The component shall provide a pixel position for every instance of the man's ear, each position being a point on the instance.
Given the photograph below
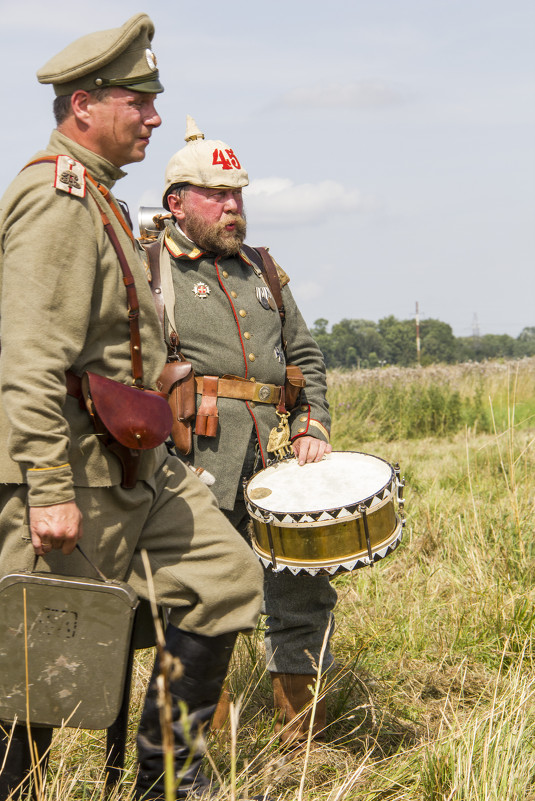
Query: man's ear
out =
(176, 207)
(80, 104)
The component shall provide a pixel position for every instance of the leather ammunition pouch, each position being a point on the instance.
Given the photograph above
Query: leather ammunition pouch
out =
(295, 382)
(177, 384)
(126, 419)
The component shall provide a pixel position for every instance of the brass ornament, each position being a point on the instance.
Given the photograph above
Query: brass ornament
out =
(279, 437)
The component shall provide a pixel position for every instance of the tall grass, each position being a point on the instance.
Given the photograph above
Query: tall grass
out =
(433, 695)
(405, 403)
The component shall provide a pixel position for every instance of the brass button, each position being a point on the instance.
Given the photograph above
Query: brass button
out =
(304, 408)
(242, 313)
(301, 431)
(225, 274)
(302, 419)
(252, 379)
(252, 404)
(234, 294)
(252, 357)
(246, 335)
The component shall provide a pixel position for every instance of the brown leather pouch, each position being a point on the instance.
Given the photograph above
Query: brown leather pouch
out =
(177, 382)
(295, 382)
(127, 419)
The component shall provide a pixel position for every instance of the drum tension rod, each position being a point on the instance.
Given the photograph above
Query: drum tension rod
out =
(363, 511)
(267, 521)
(400, 484)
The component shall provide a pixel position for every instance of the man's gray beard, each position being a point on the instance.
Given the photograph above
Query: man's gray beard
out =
(213, 236)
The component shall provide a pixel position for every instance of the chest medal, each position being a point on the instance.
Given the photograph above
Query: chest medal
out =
(265, 298)
(201, 289)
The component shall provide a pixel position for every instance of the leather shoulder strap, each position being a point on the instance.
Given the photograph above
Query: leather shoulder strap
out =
(152, 249)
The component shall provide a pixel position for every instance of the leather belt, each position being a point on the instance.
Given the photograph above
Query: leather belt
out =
(242, 389)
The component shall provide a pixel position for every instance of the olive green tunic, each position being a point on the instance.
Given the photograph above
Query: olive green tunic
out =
(68, 312)
(229, 331)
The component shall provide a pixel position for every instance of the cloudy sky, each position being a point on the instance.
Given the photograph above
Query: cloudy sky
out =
(390, 143)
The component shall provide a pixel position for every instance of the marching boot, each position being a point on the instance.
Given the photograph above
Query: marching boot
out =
(222, 711)
(293, 702)
(204, 662)
(16, 758)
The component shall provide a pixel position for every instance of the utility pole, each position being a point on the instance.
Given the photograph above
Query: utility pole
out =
(417, 333)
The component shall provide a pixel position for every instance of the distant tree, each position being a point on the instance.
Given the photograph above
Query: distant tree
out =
(437, 342)
(399, 338)
(324, 340)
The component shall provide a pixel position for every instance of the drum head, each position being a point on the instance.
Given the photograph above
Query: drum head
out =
(340, 481)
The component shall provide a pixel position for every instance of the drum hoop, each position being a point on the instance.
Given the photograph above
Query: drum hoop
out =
(333, 510)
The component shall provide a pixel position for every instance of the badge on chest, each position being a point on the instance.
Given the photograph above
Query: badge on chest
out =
(265, 298)
(201, 289)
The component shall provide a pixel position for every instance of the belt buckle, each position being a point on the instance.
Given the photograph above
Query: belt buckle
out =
(264, 393)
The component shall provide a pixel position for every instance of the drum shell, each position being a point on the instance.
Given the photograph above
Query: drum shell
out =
(77, 640)
(321, 545)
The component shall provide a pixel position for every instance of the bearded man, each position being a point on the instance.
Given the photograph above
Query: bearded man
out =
(223, 314)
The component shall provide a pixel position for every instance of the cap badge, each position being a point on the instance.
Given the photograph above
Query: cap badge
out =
(70, 176)
(151, 59)
(201, 289)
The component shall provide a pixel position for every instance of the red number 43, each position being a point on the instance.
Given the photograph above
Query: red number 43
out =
(226, 159)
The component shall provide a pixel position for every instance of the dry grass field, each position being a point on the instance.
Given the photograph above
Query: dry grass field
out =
(433, 697)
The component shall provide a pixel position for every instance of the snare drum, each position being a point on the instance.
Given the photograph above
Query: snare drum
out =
(325, 517)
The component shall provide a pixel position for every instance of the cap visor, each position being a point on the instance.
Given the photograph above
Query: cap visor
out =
(154, 87)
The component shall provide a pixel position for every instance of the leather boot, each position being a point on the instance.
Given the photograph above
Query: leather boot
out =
(293, 702)
(204, 661)
(15, 750)
(221, 716)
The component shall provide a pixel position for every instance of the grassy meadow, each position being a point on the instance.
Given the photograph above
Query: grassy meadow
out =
(433, 695)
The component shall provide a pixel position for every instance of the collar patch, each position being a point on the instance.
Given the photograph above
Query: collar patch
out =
(176, 251)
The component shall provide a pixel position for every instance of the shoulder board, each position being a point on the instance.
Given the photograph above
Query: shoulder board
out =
(284, 278)
(70, 176)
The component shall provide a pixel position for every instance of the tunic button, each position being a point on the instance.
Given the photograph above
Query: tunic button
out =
(304, 408)
(301, 431)
(252, 357)
(252, 379)
(302, 419)
(243, 313)
(246, 335)
(225, 274)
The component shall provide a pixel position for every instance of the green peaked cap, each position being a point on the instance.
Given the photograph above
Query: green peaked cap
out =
(116, 57)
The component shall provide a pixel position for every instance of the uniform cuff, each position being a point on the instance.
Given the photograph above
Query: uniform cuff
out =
(50, 485)
(303, 425)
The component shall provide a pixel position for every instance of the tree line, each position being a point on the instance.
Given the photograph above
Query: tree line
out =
(364, 343)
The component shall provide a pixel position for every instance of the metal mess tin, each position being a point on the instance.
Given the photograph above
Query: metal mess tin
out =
(64, 648)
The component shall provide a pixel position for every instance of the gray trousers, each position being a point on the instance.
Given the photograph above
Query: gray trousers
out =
(298, 608)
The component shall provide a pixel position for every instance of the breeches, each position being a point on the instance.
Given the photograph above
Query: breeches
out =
(203, 571)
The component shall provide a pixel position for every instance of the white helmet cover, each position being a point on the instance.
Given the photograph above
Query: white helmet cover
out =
(204, 162)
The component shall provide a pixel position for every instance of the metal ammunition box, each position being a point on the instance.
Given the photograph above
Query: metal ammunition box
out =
(64, 647)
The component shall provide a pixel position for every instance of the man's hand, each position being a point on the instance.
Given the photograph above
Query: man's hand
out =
(310, 449)
(57, 527)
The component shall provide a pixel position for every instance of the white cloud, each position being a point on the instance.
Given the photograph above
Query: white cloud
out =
(358, 94)
(278, 201)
